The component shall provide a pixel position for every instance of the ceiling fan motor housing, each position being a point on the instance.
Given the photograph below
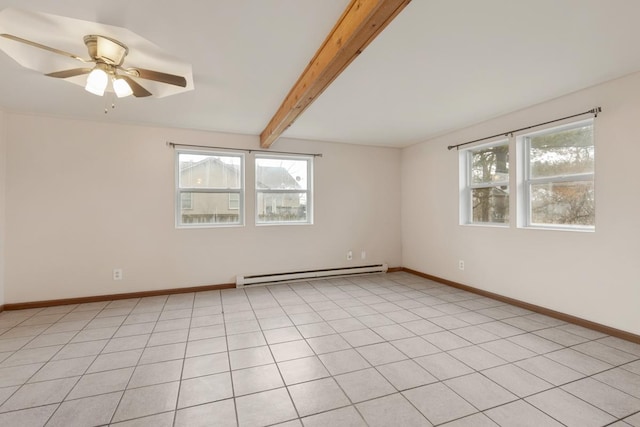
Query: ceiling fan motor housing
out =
(105, 49)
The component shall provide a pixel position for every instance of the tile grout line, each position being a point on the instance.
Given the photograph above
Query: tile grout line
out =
(184, 359)
(226, 337)
(115, 411)
(293, 403)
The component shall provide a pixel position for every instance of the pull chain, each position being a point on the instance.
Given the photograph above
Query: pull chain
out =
(106, 102)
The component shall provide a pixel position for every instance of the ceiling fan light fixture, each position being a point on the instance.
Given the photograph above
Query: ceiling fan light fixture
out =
(105, 59)
(121, 87)
(97, 81)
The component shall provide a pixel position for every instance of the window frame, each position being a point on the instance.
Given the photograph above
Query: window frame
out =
(525, 181)
(467, 187)
(193, 190)
(308, 190)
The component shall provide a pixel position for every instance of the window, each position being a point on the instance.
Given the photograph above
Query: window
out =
(555, 172)
(485, 184)
(283, 189)
(558, 177)
(210, 189)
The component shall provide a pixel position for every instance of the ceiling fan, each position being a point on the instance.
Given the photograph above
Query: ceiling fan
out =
(108, 55)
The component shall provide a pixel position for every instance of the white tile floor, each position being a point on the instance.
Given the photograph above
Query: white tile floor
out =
(377, 350)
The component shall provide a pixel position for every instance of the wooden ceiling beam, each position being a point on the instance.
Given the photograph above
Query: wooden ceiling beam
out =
(360, 23)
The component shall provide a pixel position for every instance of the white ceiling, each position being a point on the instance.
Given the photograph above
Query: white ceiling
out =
(440, 65)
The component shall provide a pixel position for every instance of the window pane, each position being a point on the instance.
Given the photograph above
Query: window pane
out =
(209, 208)
(564, 152)
(186, 200)
(281, 174)
(490, 204)
(234, 201)
(202, 171)
(282, 207)
(570, 203)
(490, 165)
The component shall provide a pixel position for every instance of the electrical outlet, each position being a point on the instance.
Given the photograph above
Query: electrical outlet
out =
(117, 274)
(461, 265)
(349, 255)
(363, 255)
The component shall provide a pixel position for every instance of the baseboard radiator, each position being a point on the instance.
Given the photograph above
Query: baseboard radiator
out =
(309, 274)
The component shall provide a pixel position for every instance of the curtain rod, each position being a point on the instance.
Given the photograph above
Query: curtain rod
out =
(247, 150)
(593, 111)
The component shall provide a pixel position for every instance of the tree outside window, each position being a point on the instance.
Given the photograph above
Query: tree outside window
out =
(555, 171)
(485, 198)
(559, 182)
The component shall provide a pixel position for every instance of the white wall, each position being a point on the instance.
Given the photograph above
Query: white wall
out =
(3, 164)
(594, 276)
(85, 197)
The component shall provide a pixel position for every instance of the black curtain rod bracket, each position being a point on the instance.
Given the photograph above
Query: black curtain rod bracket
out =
(593, 111)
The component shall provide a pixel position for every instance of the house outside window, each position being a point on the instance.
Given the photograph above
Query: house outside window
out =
(186, 201)
(234, 201)
(209, 189)
(284, 189)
